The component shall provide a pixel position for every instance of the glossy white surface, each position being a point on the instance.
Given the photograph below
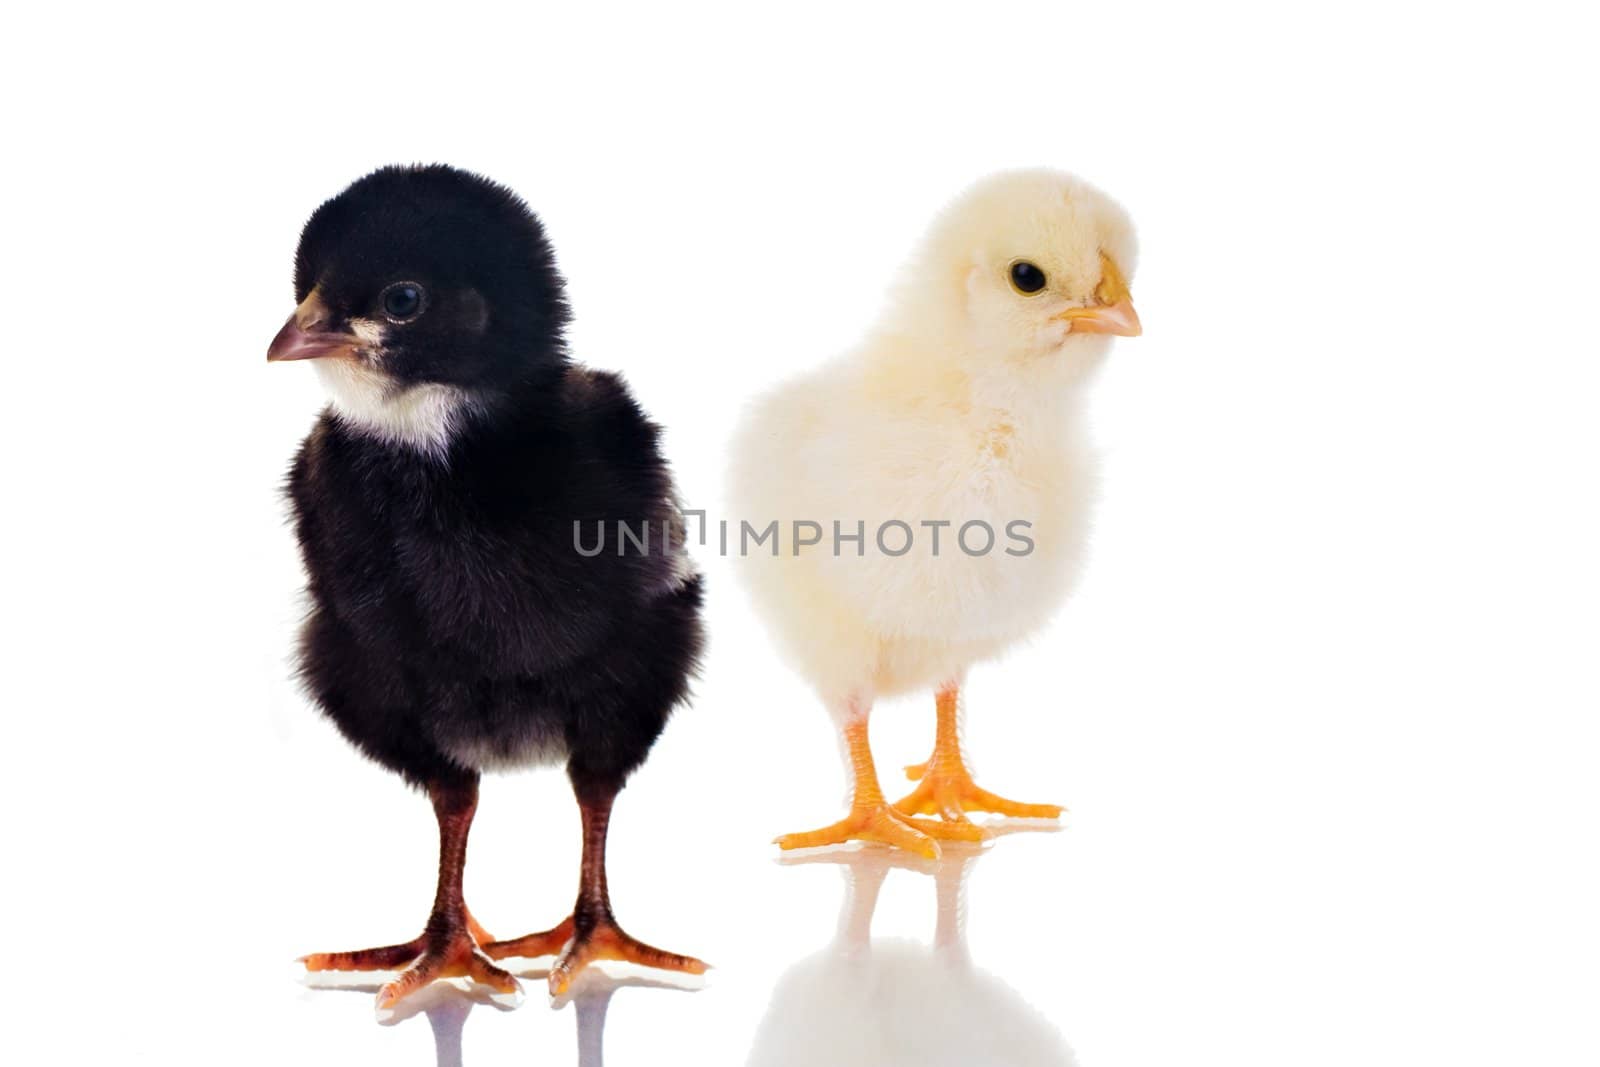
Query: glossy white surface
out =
(1324, 709)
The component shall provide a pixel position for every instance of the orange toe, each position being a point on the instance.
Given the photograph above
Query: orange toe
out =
(388, 958)
(546, 943)
(479, 934)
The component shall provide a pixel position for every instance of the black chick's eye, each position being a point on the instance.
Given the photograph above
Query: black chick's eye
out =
(1026, 278)
(402, 301)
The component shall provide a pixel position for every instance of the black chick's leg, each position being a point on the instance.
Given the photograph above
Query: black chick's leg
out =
(449, 946)
(591, 933)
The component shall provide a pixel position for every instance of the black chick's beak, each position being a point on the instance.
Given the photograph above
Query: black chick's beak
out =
(309, 334)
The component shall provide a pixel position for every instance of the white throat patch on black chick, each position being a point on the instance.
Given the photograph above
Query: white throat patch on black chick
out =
(424, 416)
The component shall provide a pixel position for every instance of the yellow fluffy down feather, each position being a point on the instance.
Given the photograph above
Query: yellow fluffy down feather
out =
(962, 407)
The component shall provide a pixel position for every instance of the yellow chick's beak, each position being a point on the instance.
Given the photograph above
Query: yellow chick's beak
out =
(309, 335)
(1113, 306)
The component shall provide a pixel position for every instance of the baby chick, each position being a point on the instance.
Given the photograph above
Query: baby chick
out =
(454, 627)
(931, 487)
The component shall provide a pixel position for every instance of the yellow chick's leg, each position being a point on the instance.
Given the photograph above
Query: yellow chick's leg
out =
(871, 818)
(947, 788)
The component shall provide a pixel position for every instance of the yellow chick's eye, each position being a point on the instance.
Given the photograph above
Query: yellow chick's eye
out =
(1026, 278)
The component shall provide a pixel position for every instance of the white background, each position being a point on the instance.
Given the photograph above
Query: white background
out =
(1324, 708)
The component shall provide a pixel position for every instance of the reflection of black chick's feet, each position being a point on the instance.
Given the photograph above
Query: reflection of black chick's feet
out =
(591, 1003)
(446, 1007)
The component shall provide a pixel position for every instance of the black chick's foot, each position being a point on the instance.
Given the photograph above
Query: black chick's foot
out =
(605, 940)
(576, 945)
(450, 953)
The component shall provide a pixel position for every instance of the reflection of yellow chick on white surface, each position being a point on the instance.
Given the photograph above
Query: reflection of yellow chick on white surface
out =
(865, 1002)
(930, 488)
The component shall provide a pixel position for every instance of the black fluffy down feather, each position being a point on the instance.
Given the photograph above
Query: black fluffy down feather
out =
(454, 626)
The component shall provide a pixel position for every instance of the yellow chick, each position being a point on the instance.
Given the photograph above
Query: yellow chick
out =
(919, 504)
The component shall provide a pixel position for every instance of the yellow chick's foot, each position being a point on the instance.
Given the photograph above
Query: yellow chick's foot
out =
(946, 787)
(951, 793)
(603, 939)
(881, 823)
(872, 819)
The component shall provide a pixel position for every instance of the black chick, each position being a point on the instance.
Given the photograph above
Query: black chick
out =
(455, 627)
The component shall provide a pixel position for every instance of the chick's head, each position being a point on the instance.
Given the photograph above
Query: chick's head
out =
(425, 275)
(1025, 265)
